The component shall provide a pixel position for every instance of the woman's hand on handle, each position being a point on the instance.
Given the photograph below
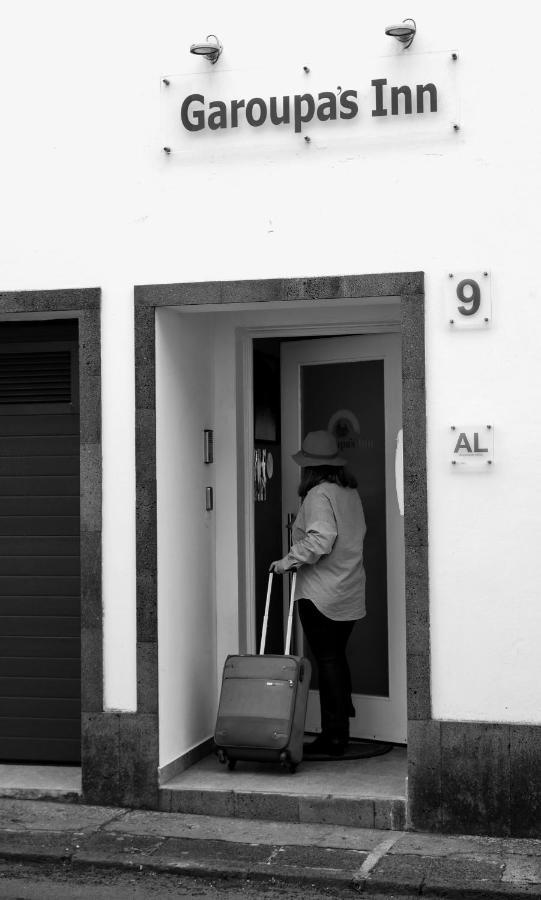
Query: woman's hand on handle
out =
(277, 567)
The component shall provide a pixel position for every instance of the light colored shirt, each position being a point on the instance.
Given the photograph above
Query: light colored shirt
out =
(328, 536)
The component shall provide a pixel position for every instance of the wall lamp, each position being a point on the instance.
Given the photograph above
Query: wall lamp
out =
(403, 32)
(209, 49)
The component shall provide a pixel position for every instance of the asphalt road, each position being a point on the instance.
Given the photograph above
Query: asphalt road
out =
(20, 881)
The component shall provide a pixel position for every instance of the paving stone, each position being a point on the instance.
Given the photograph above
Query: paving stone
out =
(40, 845)
(245, 830)
(471, 872)
(27, 815)
(525, 869)
(404, 873)
(319, 857)
(436, 845)
(310, 876)
(200, 851)
(119, 848)
(519, 846)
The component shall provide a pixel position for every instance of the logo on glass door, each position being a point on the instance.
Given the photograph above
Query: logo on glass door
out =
(345, 426)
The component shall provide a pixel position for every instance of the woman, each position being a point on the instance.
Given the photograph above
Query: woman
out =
(327, 550)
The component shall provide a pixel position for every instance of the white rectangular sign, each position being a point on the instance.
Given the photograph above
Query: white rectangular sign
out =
(472, 446)
(371, 100)
(468, 297)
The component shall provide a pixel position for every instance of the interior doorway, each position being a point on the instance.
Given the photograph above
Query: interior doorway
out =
(350, 385)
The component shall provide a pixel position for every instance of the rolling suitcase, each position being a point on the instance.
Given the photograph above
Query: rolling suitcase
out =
(263, 701)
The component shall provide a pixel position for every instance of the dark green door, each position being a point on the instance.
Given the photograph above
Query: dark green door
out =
(40, 714)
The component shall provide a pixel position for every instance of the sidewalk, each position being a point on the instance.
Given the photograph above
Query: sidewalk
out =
(353, 858)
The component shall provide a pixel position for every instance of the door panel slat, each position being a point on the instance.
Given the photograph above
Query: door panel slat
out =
(41, 605)
(40, 506)
(39, 445)
(39, 526)
(32, 647)
(34, 566)
(40, 626)
(13, 688)
(46, 750)
(42, 668)
(24, 466)
(39, 486)
(28, 585)
(35, 545)
(39, 708)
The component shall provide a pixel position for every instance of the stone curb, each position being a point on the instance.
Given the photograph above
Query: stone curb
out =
(488, 891)
(414, 883)
(209, 869)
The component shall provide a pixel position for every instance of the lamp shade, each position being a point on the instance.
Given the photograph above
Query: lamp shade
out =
(207, 48)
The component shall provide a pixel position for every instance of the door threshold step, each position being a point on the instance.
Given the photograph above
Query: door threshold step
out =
(355, 812)
(28, 781)
(368, 793)
(56, 796)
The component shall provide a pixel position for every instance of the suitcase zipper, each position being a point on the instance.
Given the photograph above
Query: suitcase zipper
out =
(270, 682)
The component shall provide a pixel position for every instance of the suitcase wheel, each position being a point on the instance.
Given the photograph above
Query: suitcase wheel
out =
(222, 757)
(231, 763)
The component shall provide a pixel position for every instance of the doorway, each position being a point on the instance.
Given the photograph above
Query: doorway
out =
(350, 385)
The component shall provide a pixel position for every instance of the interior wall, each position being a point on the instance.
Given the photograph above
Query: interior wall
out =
(186, 533)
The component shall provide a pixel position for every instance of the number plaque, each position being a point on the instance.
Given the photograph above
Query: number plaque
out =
(468, 299)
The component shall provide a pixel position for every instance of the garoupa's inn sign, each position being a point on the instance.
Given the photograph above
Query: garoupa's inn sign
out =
(389, 97)
(197, 113)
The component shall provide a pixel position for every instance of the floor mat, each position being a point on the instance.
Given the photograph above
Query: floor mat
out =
(356, 749)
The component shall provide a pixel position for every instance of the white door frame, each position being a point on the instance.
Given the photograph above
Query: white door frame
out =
(245, 430)
(378, 717)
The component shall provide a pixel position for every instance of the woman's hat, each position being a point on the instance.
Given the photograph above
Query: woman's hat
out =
(319, 448)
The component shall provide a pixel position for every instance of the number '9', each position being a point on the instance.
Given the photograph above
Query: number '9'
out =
(474, 301)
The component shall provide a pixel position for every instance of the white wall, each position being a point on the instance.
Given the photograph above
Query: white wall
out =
(88, 198)
(186, 533)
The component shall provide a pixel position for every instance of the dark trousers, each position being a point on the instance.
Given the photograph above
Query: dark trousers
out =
(328, 640)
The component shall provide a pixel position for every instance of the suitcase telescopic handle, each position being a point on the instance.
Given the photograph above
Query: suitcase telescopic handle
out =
(289, 618)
